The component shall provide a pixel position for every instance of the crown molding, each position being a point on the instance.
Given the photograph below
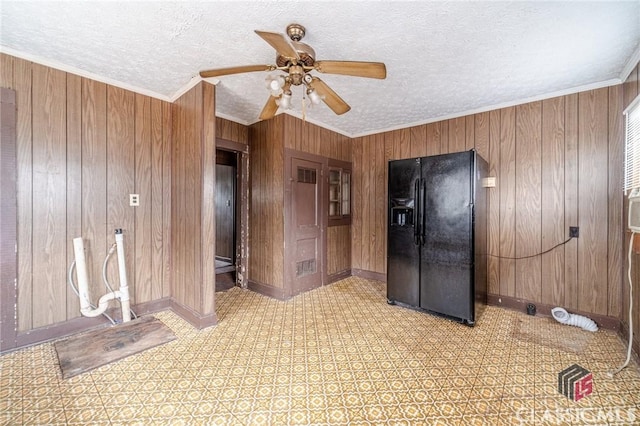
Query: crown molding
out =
(82, 73)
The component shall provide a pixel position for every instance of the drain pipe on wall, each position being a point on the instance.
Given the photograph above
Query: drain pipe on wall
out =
(86, 308)
(124, 284)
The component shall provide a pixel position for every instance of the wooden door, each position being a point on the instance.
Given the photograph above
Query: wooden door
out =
(225, 212)
(305, 258)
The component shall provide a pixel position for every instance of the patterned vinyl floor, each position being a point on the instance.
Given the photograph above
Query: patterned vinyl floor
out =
(338, 355)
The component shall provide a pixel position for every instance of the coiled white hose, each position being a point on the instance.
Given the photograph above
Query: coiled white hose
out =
(564, 317)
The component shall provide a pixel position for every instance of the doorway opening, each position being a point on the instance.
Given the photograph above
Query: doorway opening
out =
(226, 183)
(231, 162)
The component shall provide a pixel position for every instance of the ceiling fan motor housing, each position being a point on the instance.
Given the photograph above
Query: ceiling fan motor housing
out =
(306, 53)
(296, 74)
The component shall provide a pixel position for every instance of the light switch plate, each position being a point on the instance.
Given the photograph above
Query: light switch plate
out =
(134, 200)
(489, 182)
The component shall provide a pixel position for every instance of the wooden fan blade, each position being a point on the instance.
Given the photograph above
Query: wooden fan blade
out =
(358, 69)
(279, 42)
(270, 108)
(235, 70)
(331, 98)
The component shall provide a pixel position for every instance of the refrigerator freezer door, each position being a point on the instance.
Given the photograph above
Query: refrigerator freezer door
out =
(403, 254)
(446, 262)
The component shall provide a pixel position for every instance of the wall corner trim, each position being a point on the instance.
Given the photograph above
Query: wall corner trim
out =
(634, 59)
(268, 290)
(192, 317)
(370, 275)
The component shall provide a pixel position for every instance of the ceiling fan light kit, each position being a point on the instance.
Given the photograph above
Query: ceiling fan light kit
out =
(297, 60)
(275, 83)
(314, 97)
(285, 100)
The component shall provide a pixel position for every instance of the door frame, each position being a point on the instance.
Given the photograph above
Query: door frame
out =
(289, 239)
(242, 208)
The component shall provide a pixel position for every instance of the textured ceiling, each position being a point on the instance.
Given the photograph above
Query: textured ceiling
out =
(443, 58)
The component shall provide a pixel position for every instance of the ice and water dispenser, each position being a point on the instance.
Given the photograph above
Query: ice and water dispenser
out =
(402, 211)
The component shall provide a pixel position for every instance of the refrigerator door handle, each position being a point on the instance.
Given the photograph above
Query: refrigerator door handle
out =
(423, 211)
(416, 222)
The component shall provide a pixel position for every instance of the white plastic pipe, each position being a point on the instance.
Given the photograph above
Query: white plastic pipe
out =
(564, 317)
(103, 304)
(83, 283)
(124, 284)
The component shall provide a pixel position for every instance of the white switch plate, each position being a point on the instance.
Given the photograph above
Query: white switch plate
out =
(134, 200)
(489, 182)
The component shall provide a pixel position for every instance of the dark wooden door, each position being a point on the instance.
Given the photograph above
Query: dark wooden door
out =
(225, 211)
(306, 254)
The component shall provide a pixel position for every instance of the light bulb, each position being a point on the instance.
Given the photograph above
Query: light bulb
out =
(275, 84)
(314, 97)
(285, 100)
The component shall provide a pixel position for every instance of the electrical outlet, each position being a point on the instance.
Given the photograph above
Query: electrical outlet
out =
(134, 200)
(574, 231)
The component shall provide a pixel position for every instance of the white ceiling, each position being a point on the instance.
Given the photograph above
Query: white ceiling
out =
(444, 59)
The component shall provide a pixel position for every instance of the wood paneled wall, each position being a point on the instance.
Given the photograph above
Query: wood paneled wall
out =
(8, 218)
(338, 249)
(266, 210)
(232, 131)
(302, 136)
(268, 140)
(631, 89)
(558, 163)
(83, 147)
(193, 203)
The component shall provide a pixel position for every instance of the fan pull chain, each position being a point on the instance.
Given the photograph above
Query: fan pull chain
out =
(304, 107)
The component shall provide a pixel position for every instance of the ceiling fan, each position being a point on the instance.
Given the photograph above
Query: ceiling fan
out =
(297, 60)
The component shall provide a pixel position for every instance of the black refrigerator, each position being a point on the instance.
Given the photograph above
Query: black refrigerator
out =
(437, 235)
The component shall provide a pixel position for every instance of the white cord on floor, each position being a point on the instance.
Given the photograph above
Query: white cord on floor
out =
(613, 373)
